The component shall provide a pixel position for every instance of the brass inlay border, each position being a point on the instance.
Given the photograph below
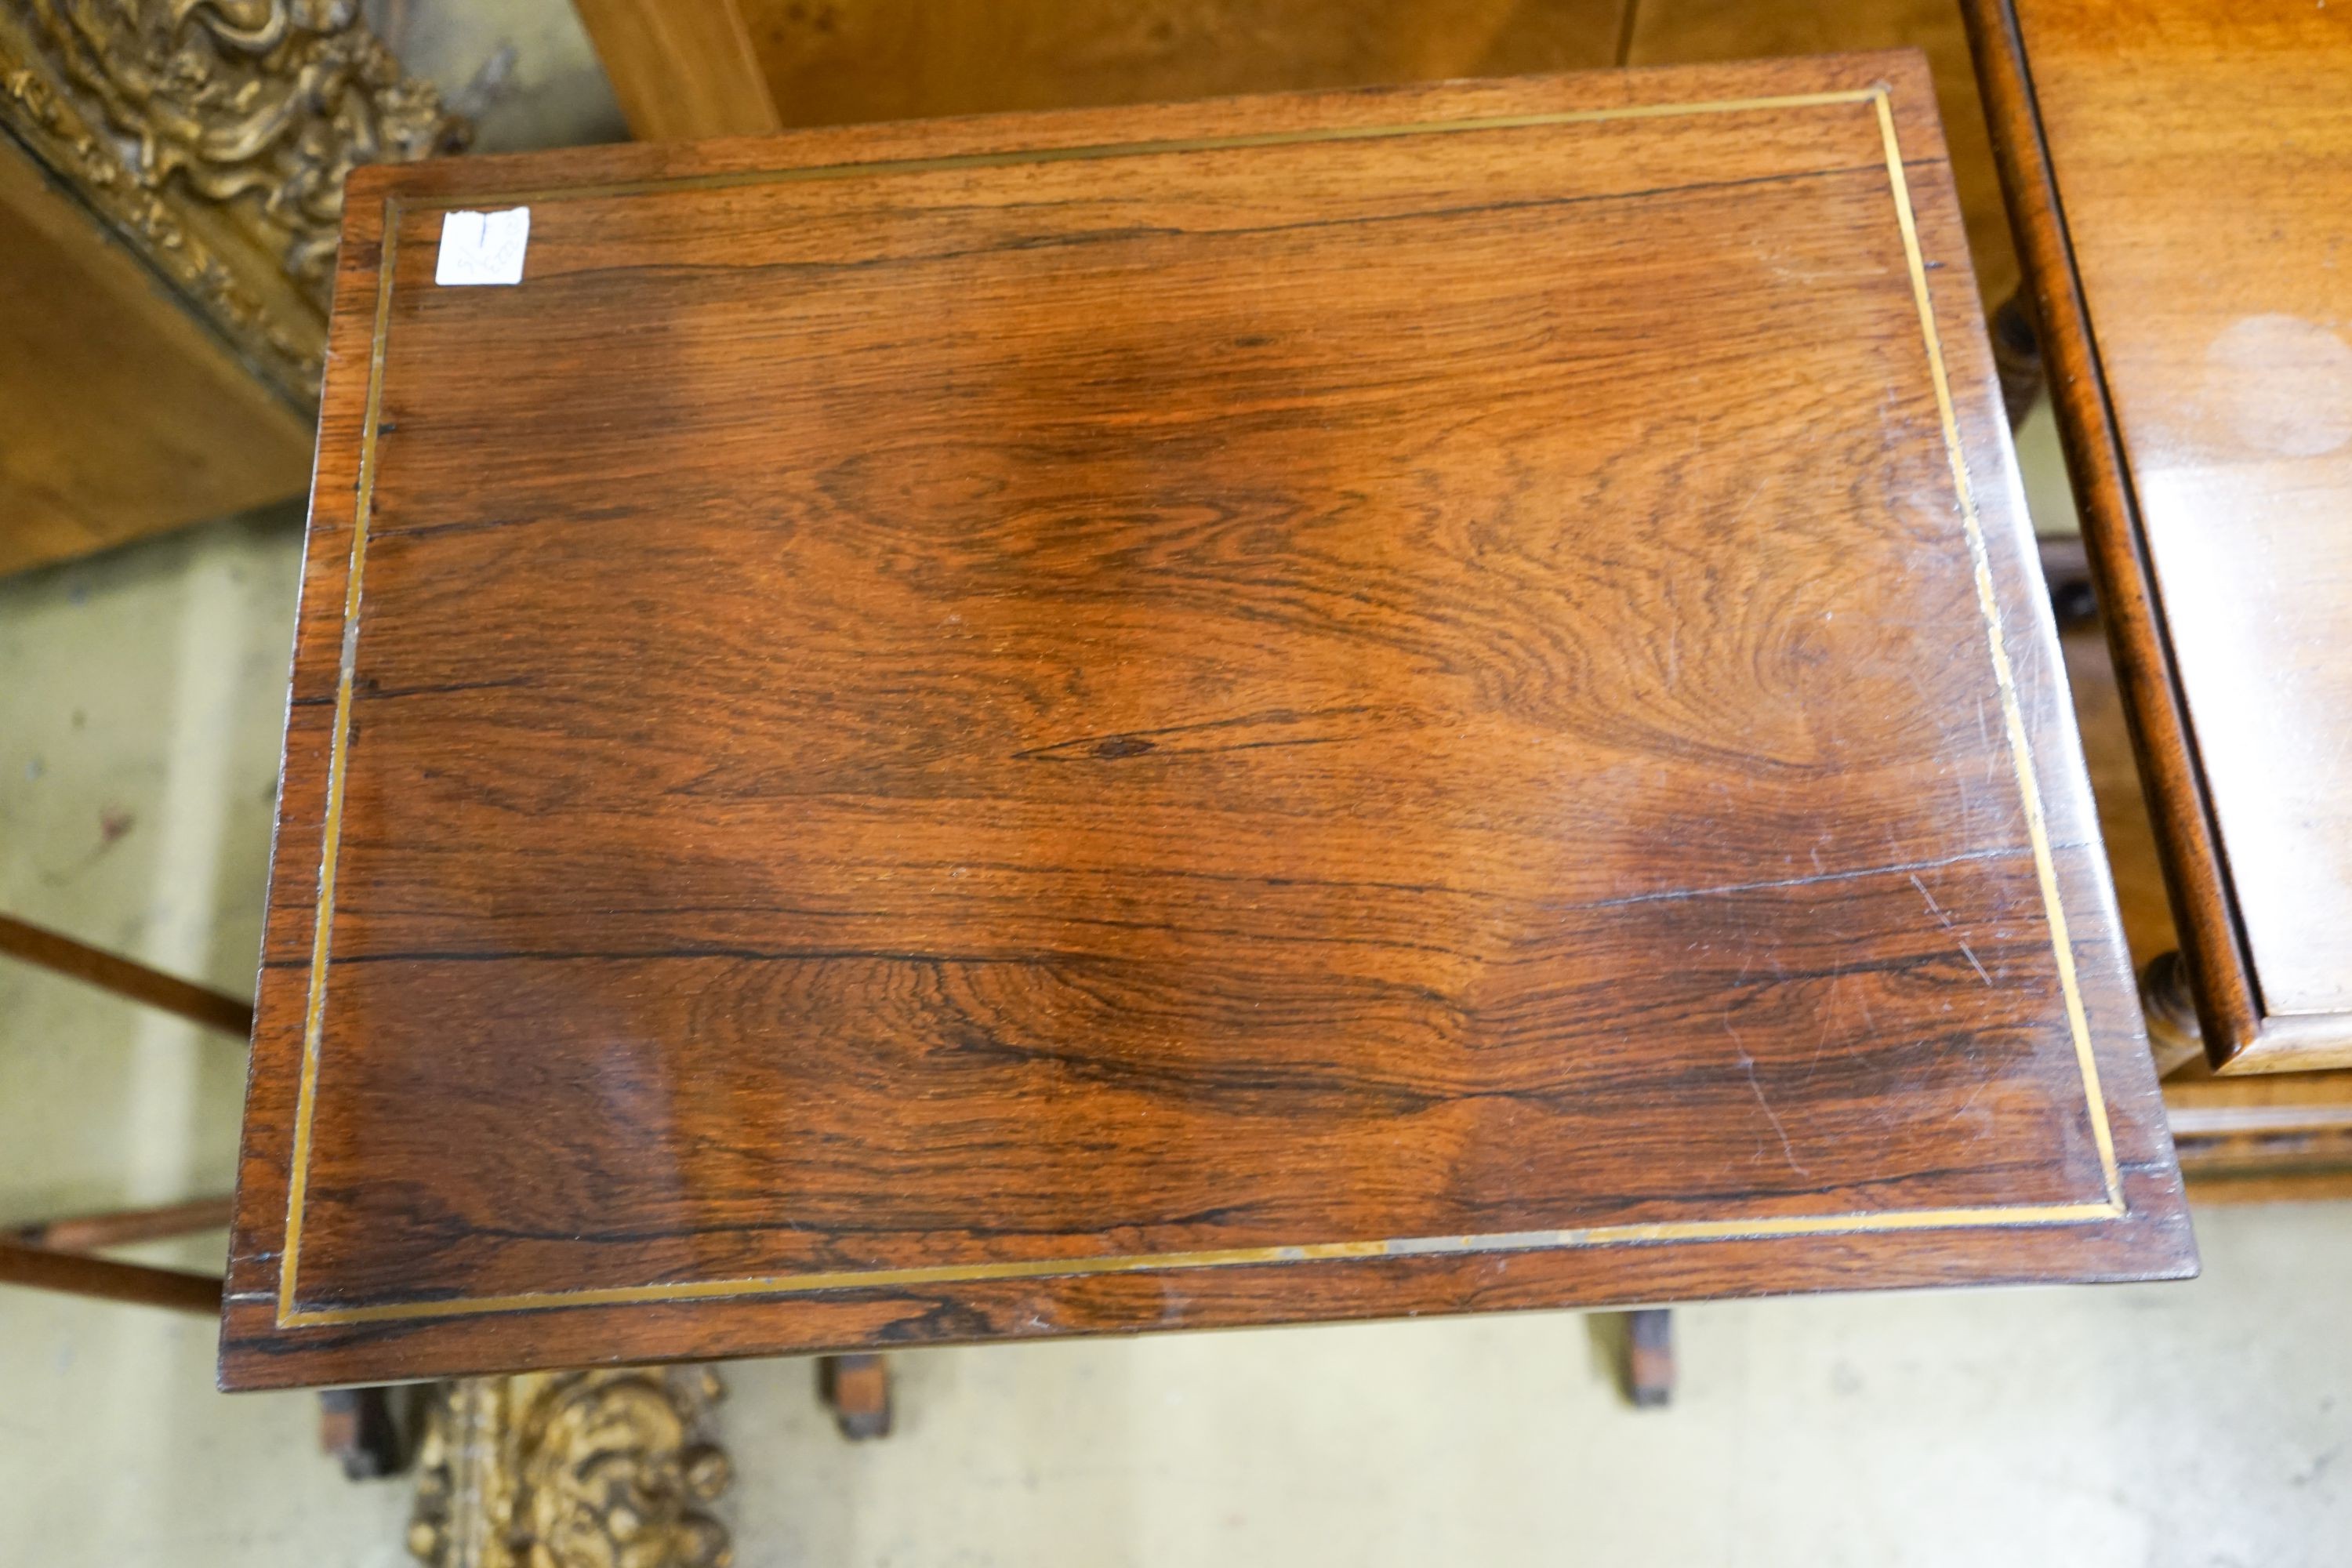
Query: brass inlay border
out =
(2110, 1206)
(2029, 787)
(1224, 1257)
(314, 1012)
(1091, 151)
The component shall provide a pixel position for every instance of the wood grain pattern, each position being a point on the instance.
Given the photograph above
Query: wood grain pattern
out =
(681, 68)
(1677, 32)
(785, 62)
(2176, 175)
(1306, 707)
(850, 61)
(121, 415)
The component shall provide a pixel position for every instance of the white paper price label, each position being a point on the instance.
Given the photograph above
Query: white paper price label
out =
(483, 248)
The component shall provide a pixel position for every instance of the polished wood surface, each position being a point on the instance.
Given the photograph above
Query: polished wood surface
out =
(681, 68)
(2181, 175)
(704, 68)
(2244, 1137)
(857, 60)
(121, 415)
(1687, 32)
(1303, 708)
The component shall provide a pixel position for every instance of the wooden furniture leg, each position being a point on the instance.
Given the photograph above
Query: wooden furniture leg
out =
(107, 1281)
(48, 1255)
(2016, 355)
(197, 1004)
(120, 1227)
(360, 1427)
(1649, 1369)
(858, 1389)
(2173, 1035)
(356, 1425)
(2066, 573)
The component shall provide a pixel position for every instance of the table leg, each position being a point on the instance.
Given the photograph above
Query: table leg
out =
(2016, 355)
(358, 1428)
(1650, 1358)
(858, 1389)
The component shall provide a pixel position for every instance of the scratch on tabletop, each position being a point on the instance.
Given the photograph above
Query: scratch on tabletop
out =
(1938, 911)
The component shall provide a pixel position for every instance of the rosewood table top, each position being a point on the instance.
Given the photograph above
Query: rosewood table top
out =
(2180, 176)
(1290, 708)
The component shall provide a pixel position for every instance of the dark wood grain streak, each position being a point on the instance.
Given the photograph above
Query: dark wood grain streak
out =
(943, 749)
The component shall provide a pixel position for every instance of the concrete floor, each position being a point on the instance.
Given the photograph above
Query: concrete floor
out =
(141, 701)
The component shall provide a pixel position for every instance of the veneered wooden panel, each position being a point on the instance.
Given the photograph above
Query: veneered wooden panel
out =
(120, 415)
(685, 68)
(681, 68)
(749, 66)
(1306, 708)
(878, 59)
(2183, 168)
(1674, 32)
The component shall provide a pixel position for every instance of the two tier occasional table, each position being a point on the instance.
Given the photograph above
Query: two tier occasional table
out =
(1292, 708)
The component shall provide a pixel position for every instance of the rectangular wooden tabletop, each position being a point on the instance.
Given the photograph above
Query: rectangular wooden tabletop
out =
(1288, 709)
(2182, 175)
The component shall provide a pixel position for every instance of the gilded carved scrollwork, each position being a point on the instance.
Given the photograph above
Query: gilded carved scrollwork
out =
(582, 1469)
(215, 135)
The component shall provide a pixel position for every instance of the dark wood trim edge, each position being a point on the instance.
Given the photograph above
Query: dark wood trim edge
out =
(2196, 874)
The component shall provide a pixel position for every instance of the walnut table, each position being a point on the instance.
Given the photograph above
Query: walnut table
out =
(1293, 708)
(2179, 174)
